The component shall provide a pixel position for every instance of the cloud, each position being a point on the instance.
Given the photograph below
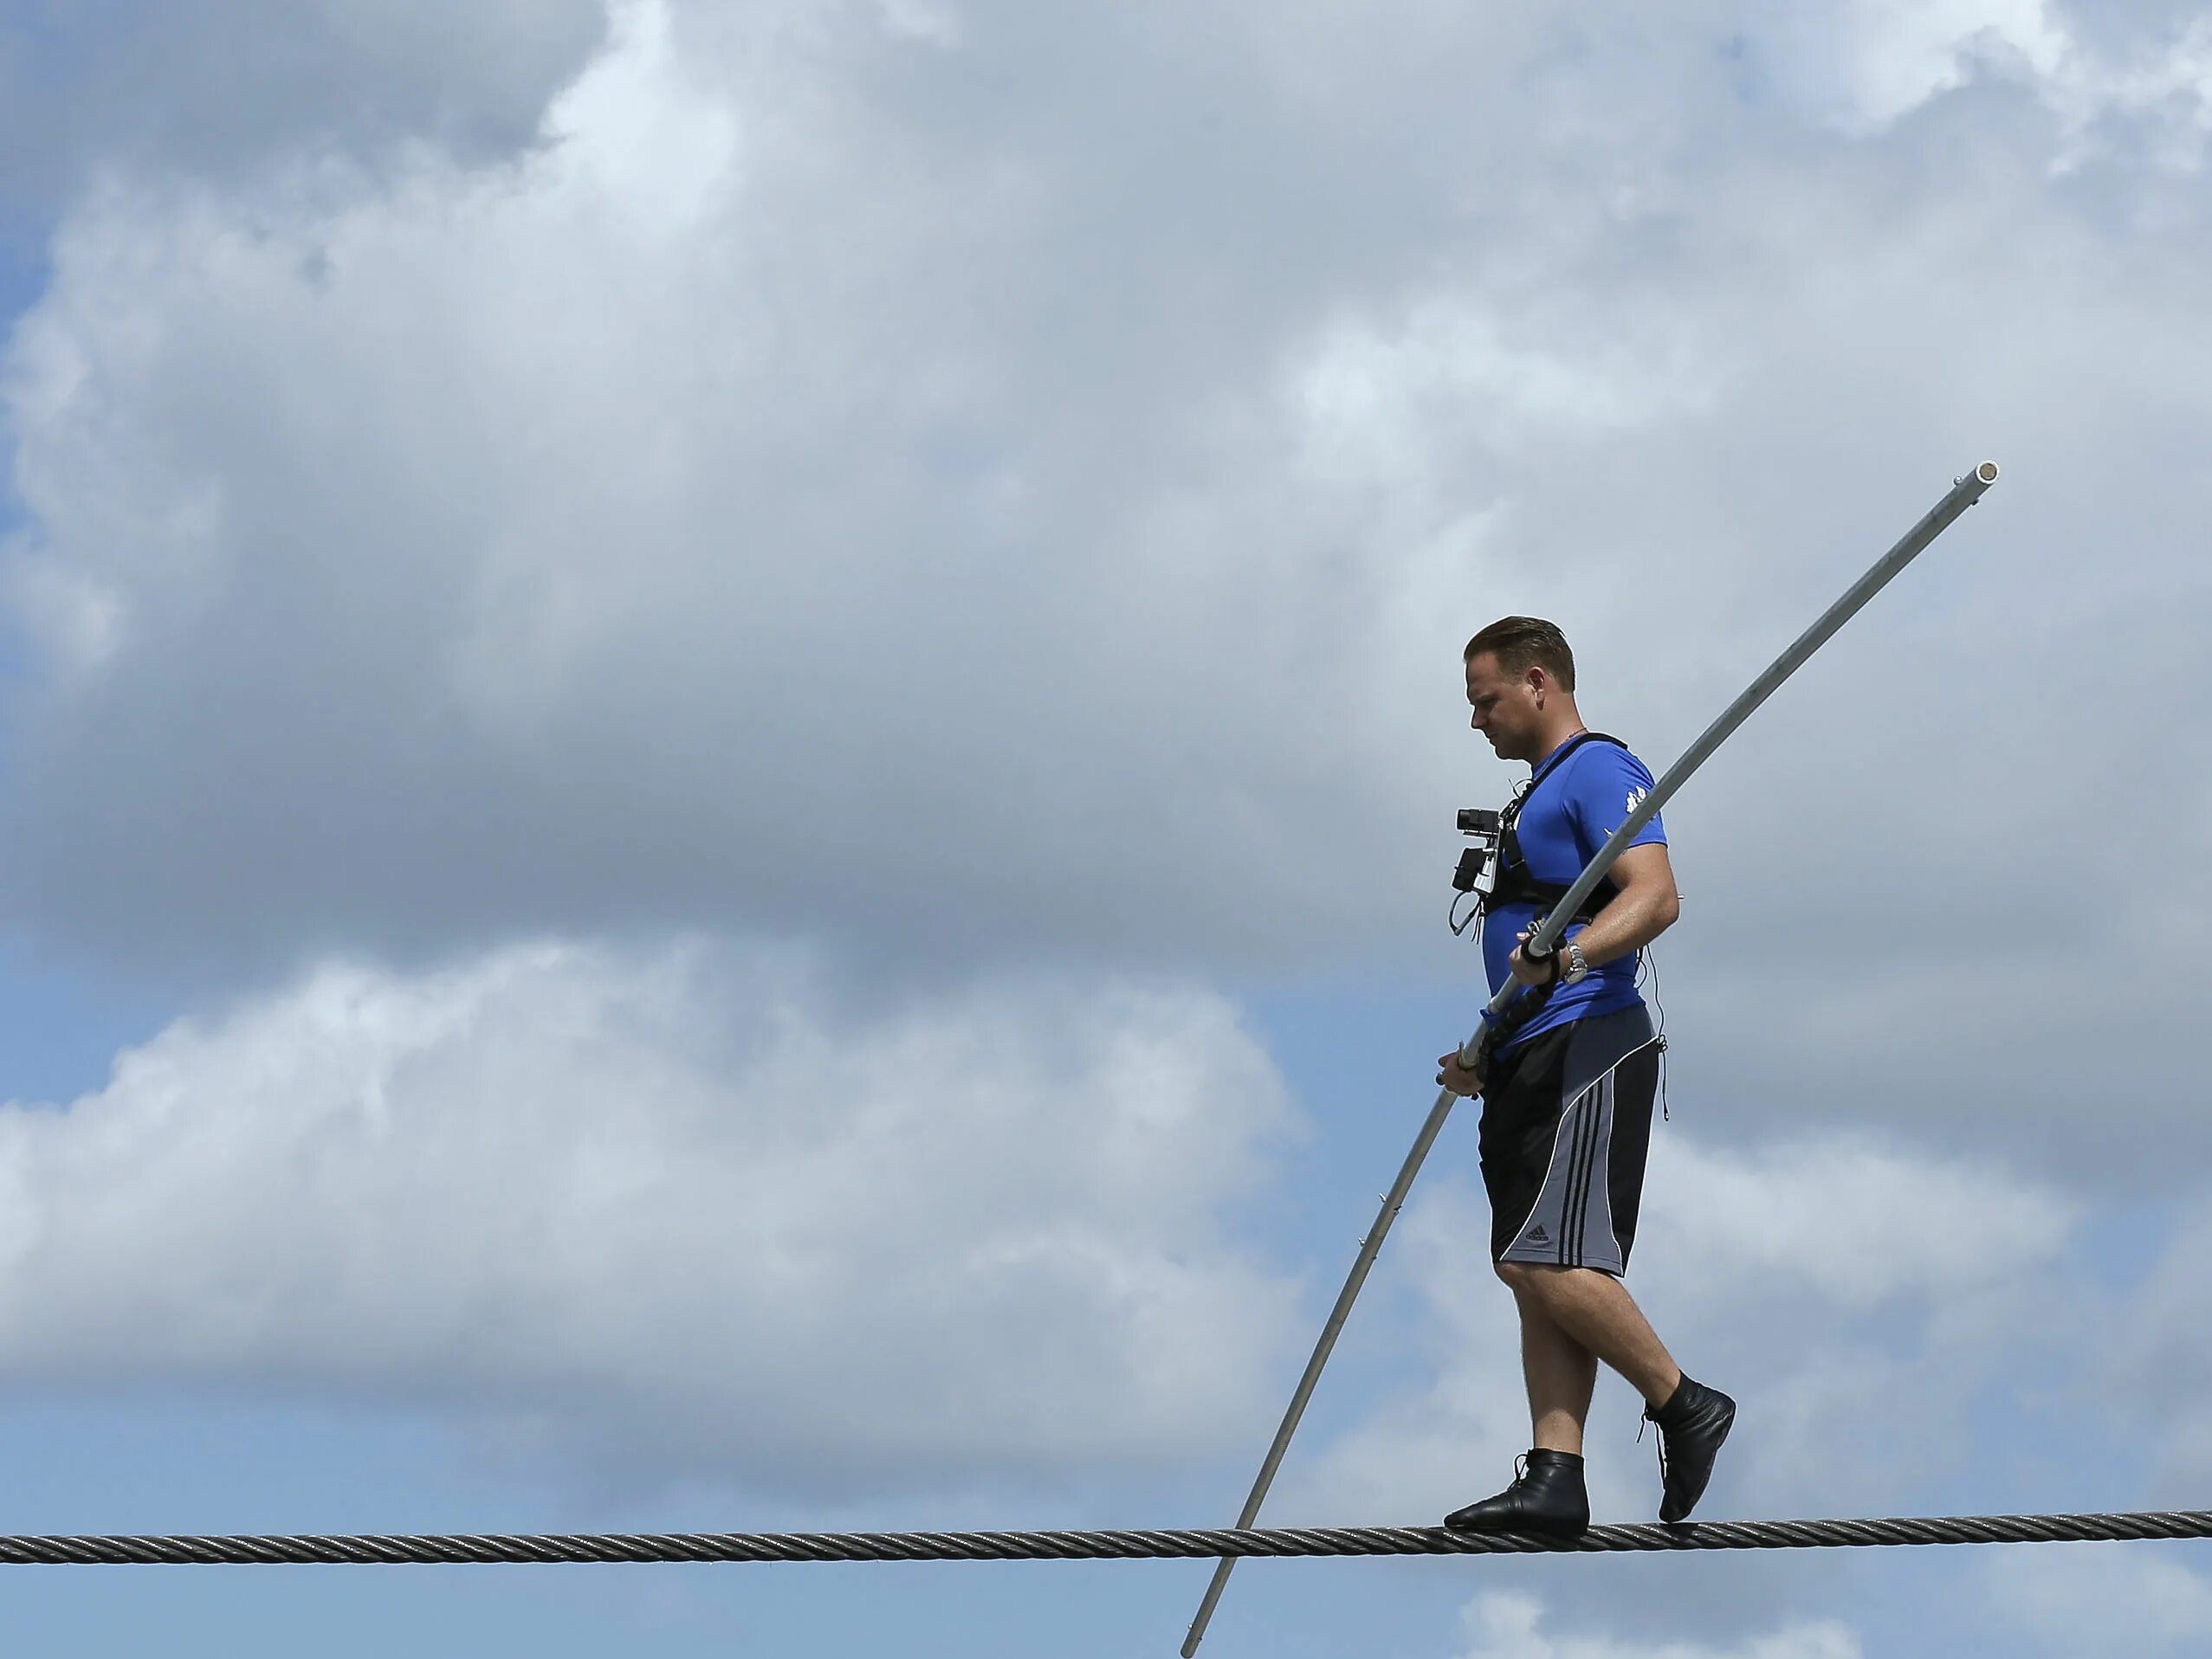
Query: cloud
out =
(2134, 1595)
(1505, 1624)
(675, 1211)
(663, 597)
(1851, 1220)
(966, 492)
(2117, 79)
(1866, 63)
(217, 89)
(989, 498)
(2150, 1368)
(972, 493)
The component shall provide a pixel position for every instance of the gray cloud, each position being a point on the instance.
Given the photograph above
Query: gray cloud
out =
(964, 489)
(214, 89)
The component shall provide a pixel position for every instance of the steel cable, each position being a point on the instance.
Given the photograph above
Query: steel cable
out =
(483, 1548)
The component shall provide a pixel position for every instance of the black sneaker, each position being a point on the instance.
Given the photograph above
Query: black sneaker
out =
(1546, 1498)
(1692, 1425)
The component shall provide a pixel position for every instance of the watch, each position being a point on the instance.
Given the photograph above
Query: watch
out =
(1574, 967)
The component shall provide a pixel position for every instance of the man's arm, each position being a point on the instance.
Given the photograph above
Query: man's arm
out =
(1645, 907)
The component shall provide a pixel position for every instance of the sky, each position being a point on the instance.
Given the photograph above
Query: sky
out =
(728, 746)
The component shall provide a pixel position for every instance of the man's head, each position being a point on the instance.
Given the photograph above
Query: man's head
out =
(1521, 685)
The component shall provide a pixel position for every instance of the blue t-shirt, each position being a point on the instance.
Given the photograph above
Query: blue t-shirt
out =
(1567, 815)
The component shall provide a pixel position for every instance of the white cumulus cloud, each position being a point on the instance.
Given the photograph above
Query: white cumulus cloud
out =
(673, 1209)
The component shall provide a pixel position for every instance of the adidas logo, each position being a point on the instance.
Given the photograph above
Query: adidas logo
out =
(1540, 1237)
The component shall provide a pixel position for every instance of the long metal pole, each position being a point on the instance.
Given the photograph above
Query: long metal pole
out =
(1965, 492)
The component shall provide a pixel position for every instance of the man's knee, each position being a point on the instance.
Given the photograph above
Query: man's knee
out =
(1538, 1279)
(1522, 1276)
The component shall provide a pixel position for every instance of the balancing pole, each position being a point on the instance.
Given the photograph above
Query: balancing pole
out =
(1964, 492)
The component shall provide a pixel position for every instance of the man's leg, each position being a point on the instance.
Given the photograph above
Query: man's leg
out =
(1593, 1312)
(1547, 1495)
(1564, 1136)
(1561, 1374)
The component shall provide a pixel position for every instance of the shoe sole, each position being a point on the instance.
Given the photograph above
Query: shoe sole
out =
(1559, 1534)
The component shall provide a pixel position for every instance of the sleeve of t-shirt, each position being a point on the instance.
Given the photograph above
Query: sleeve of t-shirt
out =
(1609, 784)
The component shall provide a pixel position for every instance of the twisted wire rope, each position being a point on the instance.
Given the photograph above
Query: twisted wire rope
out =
(482, 1548)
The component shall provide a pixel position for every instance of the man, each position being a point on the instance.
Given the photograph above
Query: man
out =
(1566, 1103)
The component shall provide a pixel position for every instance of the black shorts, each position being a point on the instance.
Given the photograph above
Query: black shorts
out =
(1566, 1124)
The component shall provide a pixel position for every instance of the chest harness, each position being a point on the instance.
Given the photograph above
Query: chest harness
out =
(1515, 883)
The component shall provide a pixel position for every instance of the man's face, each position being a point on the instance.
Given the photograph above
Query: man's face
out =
(1504, 705)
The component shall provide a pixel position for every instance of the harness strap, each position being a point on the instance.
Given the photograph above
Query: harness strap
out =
(1516, 884)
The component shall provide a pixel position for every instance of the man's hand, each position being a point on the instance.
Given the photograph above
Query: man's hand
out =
(1460, 1080)
(1540, 972)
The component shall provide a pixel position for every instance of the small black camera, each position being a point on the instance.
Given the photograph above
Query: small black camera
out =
(1482, 827)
